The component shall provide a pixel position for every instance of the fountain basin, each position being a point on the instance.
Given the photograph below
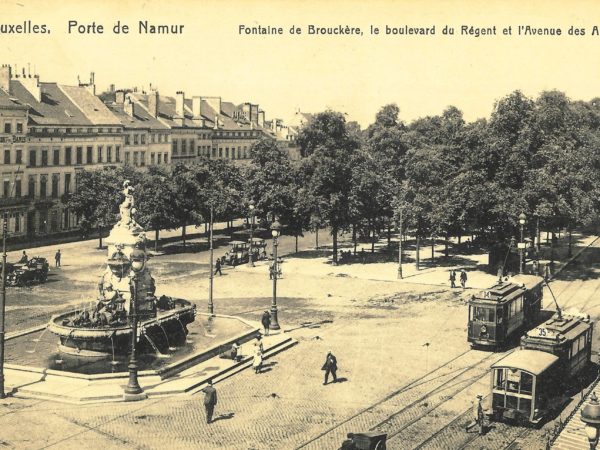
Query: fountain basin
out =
(154, 334)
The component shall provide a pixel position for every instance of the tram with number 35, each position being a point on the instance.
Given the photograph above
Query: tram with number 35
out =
(533, 381)
(497, 314)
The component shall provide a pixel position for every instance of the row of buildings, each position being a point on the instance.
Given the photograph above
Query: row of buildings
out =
(50, 131)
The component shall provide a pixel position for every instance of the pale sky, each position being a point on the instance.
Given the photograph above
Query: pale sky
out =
(352, 74)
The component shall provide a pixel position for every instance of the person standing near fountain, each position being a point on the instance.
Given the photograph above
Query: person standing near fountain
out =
(210, 400)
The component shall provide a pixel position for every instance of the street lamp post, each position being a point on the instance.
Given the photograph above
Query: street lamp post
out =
(212, 272)
(3, 305)
(590, 415)
(522, 219)
(251, 256)
(133, 390)
(275, 230)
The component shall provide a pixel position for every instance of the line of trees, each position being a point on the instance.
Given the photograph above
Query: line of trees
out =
(438, 176)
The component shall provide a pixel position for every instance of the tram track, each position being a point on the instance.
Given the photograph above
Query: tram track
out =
(410, 426)
(406, 403)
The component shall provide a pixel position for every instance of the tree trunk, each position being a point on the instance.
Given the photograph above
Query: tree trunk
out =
(334, 232)
(183, 233)
(446, 252)
(570, 243)
(389, 235)
(459, 238)
(372, 236)
(317, 238)
(417, 254)
(296, 243)
(432, 249)
(157, 230)
(100, 237)
(205, 227)
(354, 237)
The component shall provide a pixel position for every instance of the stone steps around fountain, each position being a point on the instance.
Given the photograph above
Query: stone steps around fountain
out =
(47, 385)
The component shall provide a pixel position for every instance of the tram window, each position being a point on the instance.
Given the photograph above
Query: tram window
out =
(499, 379)
(513, 377)
(575, 348)
(526, 383)
(483, 314)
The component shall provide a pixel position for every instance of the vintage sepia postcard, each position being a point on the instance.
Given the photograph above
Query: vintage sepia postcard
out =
(300, 224)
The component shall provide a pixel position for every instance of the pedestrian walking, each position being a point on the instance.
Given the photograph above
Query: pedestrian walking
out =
(463, 278)
(257, 359)
(218, 267)
(330, 367)
(57, 258)
(452, 278)
(478, 416)
(266, 322)
(210, 400)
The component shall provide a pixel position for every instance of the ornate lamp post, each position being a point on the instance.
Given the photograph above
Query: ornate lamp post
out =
(275, 230)
(251, 257)
(133, 391)
(590, 415)
(522, 220)
(212, 272)
(3, 305)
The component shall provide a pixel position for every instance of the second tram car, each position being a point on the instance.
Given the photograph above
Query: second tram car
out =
(532, 381)
(500, 312)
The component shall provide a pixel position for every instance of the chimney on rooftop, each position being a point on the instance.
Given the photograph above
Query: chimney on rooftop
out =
(261, 118)
(5, 76)
(129, 107)
(197, 111)
(153, 103)
(179, 108)
(119, 97)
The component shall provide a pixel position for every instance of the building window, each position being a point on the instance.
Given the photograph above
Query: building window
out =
(6, 156)
(89, 157)
(56, 156)
(109, 154)
(220, 152)
(135, 158)
(183, 146)
(126, 139)
(239, 152)
(18, 188)
(151, 159)
(214, 152)
(44, 157)
(135, 139)
(19, 127)
(67, 156)
(126, 157)
(31, 186)
(159, 158)
(174, 145)
(17, 223)
(192, 146)
(143, 139)
(32, 158)
(7, 127)
(142, 158)
(67, 183)
(99, 155)
(117, 153)
(43, 185)
(19, 157)
(55, 181)
(166, 158)
(6, 191)
(79, 155)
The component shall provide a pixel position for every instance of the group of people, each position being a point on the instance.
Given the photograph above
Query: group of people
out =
(463, 278)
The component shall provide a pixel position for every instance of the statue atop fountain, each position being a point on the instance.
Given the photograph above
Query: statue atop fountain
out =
(107, 326)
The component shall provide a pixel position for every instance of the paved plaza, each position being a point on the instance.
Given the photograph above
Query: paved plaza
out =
(386, 333)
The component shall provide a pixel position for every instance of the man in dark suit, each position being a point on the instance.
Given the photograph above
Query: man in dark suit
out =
(266, 322)
(210, 400)
(330, 367)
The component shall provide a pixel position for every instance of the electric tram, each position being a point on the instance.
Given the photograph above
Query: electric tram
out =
(497, 314)
(534, 380)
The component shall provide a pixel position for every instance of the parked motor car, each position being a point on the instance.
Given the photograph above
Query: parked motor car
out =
(238, 253)
(33, 271)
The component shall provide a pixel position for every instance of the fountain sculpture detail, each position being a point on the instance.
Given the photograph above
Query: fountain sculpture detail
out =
(106, 329)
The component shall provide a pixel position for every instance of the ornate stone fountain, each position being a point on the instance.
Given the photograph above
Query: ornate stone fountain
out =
(106, 329)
